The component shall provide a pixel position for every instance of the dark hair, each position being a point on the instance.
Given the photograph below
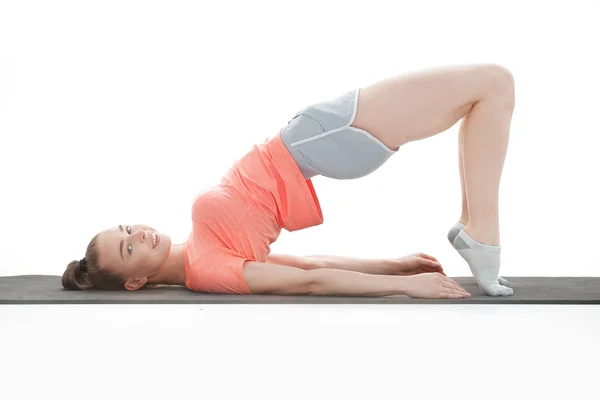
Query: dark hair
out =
(95, 276)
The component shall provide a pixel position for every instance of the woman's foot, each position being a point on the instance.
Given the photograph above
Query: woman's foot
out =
(484, 262)
(454, 231)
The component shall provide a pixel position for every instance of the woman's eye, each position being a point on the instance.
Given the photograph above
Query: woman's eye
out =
(130, 247)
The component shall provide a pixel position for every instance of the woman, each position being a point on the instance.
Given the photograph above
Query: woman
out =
(270, 188)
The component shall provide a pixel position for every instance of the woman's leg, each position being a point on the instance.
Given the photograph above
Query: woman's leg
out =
(421, 104)
(418, 105)
(464, 215)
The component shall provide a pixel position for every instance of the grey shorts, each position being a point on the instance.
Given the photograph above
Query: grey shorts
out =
(322, 142)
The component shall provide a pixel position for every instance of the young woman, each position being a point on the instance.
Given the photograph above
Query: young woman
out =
(270, 188)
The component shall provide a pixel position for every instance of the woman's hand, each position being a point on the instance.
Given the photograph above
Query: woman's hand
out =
(434, 286)
(417, 263)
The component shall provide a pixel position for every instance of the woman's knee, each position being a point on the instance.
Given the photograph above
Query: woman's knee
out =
(502, 82)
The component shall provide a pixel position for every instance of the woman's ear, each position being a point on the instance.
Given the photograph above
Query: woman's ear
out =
(135, 283)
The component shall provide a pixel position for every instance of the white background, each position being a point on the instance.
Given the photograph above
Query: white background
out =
(119, 112)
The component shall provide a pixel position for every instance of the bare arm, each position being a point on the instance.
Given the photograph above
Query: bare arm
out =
(368, 266)
(269, 278)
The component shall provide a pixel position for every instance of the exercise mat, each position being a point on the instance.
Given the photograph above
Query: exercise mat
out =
(47, 289)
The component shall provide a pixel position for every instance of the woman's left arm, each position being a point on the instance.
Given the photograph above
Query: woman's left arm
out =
(368, 266)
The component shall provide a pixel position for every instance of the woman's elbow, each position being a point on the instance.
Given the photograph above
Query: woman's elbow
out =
(264, 278)
(308, 285)
(314, 283)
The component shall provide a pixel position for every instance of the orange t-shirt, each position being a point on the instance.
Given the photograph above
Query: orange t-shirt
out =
(238, 219)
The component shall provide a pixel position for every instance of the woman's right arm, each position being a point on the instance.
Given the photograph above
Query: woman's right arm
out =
(263, 278)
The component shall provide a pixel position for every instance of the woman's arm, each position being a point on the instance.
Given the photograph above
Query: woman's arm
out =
(367, 266)
(268, 278)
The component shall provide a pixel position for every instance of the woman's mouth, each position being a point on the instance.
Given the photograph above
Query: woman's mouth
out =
(155, 239)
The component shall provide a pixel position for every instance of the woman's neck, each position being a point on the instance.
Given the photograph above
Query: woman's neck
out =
(173, 270)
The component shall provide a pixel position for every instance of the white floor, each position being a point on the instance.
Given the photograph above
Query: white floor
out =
(300, 352)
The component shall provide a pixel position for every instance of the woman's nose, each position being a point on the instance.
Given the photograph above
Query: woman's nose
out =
(141, 235)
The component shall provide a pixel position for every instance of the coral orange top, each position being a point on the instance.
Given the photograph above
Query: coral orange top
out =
(238, 219)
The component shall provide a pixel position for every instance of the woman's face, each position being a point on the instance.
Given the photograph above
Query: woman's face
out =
(129, 251)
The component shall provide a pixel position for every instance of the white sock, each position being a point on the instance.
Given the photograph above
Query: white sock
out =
(484, 262)
(459, 226)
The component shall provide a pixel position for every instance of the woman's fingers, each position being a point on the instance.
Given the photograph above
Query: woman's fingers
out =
(427, 257)
(452, 284)
(451, 281)
(455, 296)
(453, 293)
(432, 268)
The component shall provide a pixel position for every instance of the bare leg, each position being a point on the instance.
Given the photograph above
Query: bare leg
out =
(464, 216)
(486, 135)
(504, 126)
(421, 104)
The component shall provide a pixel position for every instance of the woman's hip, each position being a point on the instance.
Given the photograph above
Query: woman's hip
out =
(322, 142)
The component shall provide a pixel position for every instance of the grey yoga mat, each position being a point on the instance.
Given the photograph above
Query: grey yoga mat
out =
(47, 289)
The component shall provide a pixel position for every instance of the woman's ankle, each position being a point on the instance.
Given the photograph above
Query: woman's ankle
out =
(483, 235)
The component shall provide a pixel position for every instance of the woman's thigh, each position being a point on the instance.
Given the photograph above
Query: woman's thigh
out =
(420, 104)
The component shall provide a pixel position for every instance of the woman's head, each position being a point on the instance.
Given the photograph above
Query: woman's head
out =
(122, 257)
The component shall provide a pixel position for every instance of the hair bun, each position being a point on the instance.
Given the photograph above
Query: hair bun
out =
(83, 265)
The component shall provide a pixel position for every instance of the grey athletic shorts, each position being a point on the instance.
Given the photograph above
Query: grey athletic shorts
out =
(322, 142)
